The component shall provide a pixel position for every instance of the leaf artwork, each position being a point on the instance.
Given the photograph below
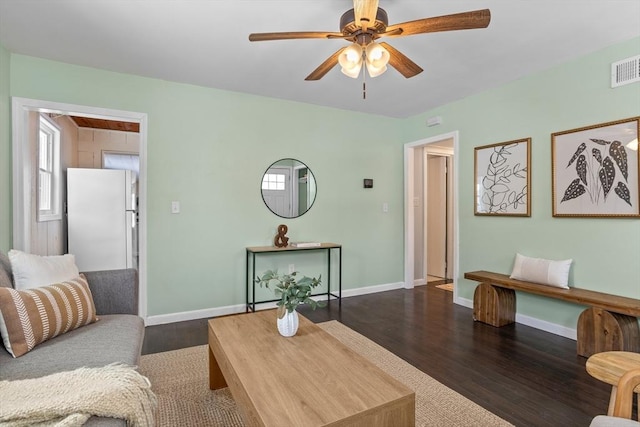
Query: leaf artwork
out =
(623, 192)
(574, 190)
(619, 155)
(596, 176)
(597, 155)
(607, 174)
(500, 184)
(581, 168)
(580, 149)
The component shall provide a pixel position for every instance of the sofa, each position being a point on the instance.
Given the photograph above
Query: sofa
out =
(116, 337)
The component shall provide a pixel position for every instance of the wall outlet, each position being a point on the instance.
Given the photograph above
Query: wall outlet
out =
(292, 268)
(385, 207)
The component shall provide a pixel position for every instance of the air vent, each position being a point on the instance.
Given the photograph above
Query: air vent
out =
(625, 71)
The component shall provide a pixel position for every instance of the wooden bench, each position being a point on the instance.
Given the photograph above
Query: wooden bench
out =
(609, 323)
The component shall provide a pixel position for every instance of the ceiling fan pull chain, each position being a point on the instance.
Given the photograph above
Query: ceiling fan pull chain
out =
(364, 84)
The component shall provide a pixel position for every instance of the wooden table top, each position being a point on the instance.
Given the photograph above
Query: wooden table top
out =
(609, 366)
(316, 378)
(323, 245)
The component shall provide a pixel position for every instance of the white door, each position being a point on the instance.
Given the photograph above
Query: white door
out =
(276, 191)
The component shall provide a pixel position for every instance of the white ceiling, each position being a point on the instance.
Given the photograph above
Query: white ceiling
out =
(204, 42)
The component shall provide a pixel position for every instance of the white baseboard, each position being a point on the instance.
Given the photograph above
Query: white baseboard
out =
(371, 289)
(161, 319)
(419, 282)
(205, 313)
(543, 325)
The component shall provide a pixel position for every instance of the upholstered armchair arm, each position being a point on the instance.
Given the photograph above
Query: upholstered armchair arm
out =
(114, 291)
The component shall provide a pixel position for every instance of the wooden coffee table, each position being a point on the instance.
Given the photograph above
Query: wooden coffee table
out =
(311, 379)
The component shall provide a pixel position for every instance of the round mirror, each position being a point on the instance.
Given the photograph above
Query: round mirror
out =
(288, 188)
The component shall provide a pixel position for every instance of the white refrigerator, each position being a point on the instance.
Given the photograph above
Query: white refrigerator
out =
(102, 219)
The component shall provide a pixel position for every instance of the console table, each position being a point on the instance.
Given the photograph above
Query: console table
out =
(256, 250)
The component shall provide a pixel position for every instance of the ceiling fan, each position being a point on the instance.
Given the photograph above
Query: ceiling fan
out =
(366, 23)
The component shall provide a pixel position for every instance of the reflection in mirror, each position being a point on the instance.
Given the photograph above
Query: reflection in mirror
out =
(288, 188)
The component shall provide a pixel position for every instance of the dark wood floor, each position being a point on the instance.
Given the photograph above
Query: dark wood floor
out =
(524, 375)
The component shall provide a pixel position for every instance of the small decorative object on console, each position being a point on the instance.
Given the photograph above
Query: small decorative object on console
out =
(306, 244)
(281, 240)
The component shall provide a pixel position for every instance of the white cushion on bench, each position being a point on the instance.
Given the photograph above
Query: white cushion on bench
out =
(539, 270)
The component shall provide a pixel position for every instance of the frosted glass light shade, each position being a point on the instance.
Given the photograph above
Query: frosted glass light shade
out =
(377, 58)
(375, 72)
(350, 59)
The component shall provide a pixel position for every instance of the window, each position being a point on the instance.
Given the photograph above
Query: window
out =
(121, 161)
(48, 171)
(273, 181)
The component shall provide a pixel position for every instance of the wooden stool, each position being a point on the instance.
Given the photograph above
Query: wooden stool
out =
(610, 366)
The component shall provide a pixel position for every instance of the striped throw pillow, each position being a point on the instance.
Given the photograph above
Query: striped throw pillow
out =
(32, 316)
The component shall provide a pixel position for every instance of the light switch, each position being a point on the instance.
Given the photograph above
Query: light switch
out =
(175, 207)
(385, 207)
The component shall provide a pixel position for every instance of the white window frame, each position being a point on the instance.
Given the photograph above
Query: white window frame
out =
(274, 181)
(106, 153)
(52, 152)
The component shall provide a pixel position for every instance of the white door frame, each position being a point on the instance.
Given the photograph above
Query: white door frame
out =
(22, 185)
(409, 216)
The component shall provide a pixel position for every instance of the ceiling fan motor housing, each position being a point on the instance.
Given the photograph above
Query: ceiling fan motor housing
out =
(349, 28)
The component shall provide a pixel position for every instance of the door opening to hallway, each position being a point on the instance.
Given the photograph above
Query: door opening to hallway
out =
(437, 219)
(433, 212)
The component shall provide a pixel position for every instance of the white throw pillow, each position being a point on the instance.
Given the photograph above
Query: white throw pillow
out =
(33, 271)
(539, 270)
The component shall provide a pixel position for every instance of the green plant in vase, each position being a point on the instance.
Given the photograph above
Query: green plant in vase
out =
(292, 292)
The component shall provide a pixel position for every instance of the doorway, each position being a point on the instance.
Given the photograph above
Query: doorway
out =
(431, 214)
(438, 224)
(24, 182)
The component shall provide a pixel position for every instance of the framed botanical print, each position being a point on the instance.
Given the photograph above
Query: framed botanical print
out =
(502, 178)
(595, 170)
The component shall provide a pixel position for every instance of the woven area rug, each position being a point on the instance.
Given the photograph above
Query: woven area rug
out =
(180, 380)
(446, 287)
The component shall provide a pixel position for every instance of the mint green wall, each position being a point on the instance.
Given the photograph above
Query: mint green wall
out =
(606, 252)
(209, 148)
(5, 151)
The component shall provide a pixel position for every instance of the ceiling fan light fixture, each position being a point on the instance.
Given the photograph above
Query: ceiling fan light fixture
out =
(377, 58)
(350, 60)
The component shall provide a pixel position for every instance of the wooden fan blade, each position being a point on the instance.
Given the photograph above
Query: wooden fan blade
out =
(365, 12)
(457, 21)
(259, 37)
(401, 62)
(325, 67)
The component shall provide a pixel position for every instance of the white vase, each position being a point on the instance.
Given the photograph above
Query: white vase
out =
(288, 325)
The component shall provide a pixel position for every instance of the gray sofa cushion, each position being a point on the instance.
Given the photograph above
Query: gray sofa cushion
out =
(114, 338)
(114, 291)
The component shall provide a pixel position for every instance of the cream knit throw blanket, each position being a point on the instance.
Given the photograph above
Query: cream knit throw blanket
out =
(67, 399)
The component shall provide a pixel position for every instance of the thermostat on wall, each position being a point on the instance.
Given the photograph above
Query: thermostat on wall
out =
(368, 183)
